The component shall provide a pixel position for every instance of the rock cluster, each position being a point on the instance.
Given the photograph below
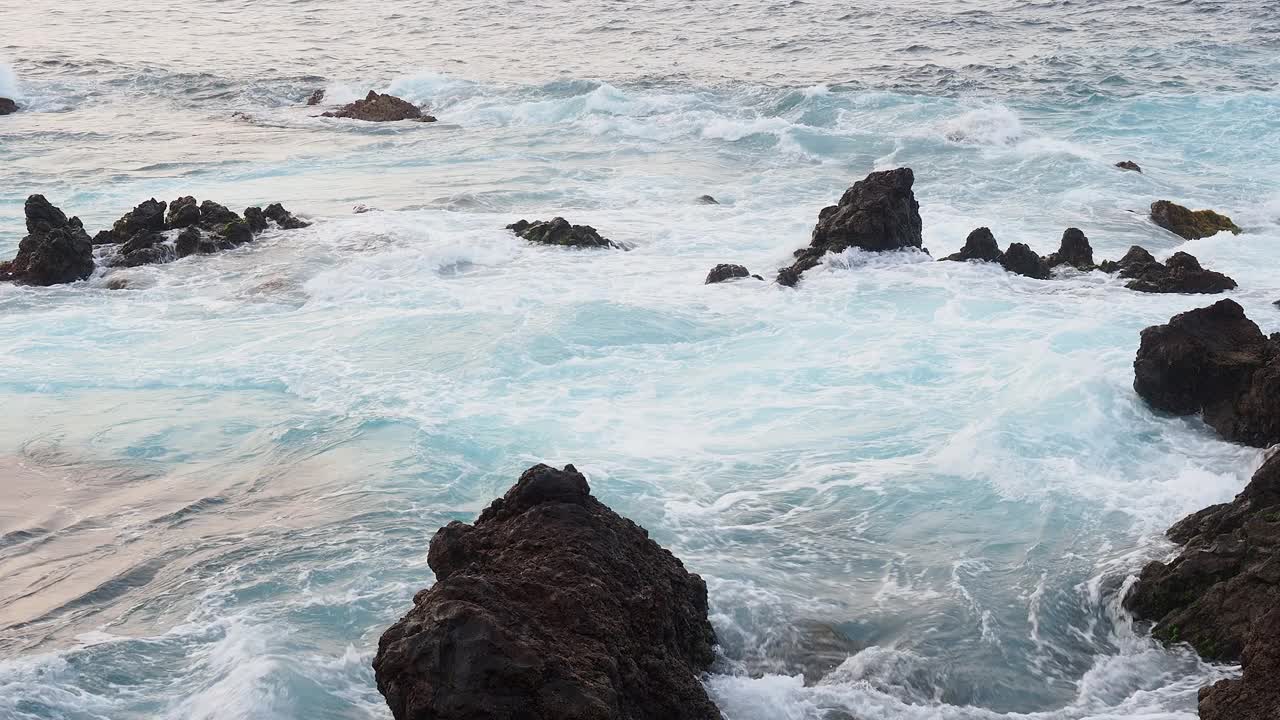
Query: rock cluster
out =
(878, 213)
(550, 606)
(1214, 361)
(558, 231)
(981, 245)
(1190, 224)
(58, 250)
(377, 107)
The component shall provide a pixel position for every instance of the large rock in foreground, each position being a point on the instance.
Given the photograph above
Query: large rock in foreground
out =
(558, 231)
(1190, 224)
(1222, 595)
(1213, 361)
(550, 607)
(878, 213)
(377, 107)
(55, 250)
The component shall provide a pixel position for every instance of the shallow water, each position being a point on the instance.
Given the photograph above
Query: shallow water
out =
(915, 489)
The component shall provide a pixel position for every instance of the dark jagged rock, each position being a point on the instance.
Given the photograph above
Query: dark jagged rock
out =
(7, 106)
(256, 219)
(236, 233)
(550, 606)
(276, 213)
(1190, 224)
(1133, 264)
(380, 108)
(103, 237)
(1129, 165)
(148, 217)
(980, 245)
(878, 213)
(55, 250)
(1182, 273)
(558, 231)
(142, 240)
(707, 200)
(154, 254)
(1222, 595)
(183, 212)
(213, 216)
(316, 97)
(1074, 250)
(1256, 695)
(1216, 362)
(1022, 260)
(725, 272)
(188, 242)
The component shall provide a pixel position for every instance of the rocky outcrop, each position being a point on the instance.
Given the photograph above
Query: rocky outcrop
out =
(1222, 595)
(377, 107)
(146, 218)
(1129, 165)
(558, 231)
(7, 106)
(1216, 362)
(878, 213)
(1074, 250)
(981, 245)
(55, 250)
(1022, 260)
(1190, 224)
(1132, 264)
(316, 97)
(725, 272)
(284, 219)
(550, 606)
(1181, 273)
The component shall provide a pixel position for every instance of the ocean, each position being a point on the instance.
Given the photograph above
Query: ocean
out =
(915, 489)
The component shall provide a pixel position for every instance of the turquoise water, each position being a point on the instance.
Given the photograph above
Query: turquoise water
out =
(915, 489)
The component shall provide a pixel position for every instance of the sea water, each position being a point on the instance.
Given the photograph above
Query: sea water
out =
(915, 489)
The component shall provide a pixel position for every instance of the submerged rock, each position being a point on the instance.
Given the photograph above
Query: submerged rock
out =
(707, 200)
(979, 245)
(1129, 165)
(725, 272)
(1182, 273)
(1190, 224)
(558, 231)
(7, 106)
(1216, 362)
(377, 107)
(550, 606)
(1022, 260)
(316, 97)
(55, 250)
(284, 219)
(1222, 595)
(877, 213)
(1074, 250)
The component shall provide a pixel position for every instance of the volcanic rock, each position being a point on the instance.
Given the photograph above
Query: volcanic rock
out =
(55, 250)
(878, 213)
(284, 219)
(707, 200)
(725, 272)
(558, 231)
(1129, 165)
(1074, 250)
(7, 106)
(980, 245)
(1216, 362)
(316, 97)
(1133, 264)
(1181, 273)
(1021, 259)
(380, 108)
(147, 217)
(1190, 224)
(550, 606)
(213, 216)
(183, 212)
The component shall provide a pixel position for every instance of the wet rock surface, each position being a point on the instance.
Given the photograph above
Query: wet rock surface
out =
(550, 606)
(877, 213)
(1181, 273)
(377, 107)
(1073, 250)
(1129, 165)
(7, 106)
(1022, 260)
(1222, 595)
(981, 246)
(1190, 224)
(1214, 361)
(56, 249)
(558, 231)
(725, 272)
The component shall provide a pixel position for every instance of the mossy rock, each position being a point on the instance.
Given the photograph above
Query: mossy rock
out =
(1190, 224)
